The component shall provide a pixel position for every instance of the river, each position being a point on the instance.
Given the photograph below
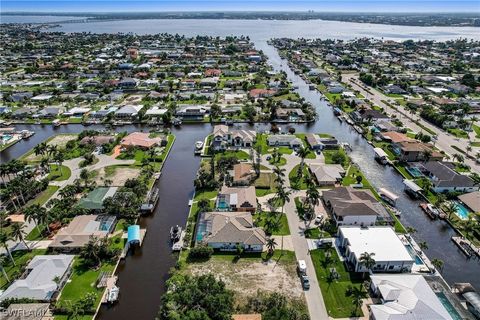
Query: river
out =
(142, 276)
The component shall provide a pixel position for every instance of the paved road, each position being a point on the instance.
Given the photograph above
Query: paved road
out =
(313, 296)
(444, 140)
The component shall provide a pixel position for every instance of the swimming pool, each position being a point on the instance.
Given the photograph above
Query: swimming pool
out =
(6, 138)
(414, 255)
(462, 212)
(201, 229)
(451, 309)
(415, 172)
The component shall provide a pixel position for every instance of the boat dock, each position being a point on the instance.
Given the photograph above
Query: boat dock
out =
(467, 247)
(108, 283)
(178, 246)
(134, 238)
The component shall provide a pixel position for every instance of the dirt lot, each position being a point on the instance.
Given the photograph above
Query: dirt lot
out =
(247, 276)
(117, 174)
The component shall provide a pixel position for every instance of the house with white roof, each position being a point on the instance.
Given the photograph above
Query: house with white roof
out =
(390, 254)
(43, 277)
(405, 297)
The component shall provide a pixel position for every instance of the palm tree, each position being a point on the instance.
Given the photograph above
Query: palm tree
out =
(203, 205)
(271, 244)
(280, 173)
(358, 295)
(271, 224)
(366, 259)
(59, 158)
(2, 263)
(450, 209)
(423, 245)
(303, 153)
(283, 196)
(469, 226)
(18, 233)
(411, 230)
(437, 263)
(36, 213)
(4, 239)
(440, 200)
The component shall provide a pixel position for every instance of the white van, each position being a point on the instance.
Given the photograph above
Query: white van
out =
(302, 267)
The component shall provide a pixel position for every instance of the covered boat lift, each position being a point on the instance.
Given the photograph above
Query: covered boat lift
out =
(388, 196)
(380, 155)
(412, 189)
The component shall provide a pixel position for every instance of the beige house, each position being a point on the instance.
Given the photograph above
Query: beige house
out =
(227, 230)
(242, 174)
(327, 174)
(81, 229)
(237, 199)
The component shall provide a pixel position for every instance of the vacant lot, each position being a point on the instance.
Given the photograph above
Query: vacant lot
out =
(60, 141)
(247, 275)
(116, 174)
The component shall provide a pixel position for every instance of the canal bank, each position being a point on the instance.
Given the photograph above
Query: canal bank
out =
(142, 276)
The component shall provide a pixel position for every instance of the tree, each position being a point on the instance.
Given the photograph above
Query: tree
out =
(2, 263)
(280, 175)
(18, 233)
(200, 297)
(302, 153)
(4, 239)
(469, 226)
(283, 196)
(358, 294)
(203, 205)
(437, 263)
(411, 230)
(450, 209)
(366, 259)
(271, 244)
(423, 245)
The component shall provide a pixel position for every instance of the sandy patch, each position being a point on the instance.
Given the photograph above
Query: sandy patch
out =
(60, 141)
(246, 277)
(117, 177)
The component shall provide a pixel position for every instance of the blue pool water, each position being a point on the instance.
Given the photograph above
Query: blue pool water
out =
(415, 172)
(451, 310)
(6, 137)
(414, 255)
(201, 228)
(222, 205)
(461, 212)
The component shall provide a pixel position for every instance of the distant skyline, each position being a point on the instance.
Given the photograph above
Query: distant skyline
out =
(385, 6)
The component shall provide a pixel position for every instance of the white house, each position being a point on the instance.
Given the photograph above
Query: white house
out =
(405, 297)
(224, 137)
(285, 140)
(39, 281)
(390, 254)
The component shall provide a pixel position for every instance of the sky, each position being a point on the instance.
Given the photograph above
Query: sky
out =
(246, 5)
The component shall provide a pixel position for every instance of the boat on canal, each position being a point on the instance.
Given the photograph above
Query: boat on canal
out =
(430, 210)
(175, 233)
(198, 147)
(381, 156)
(388, 196)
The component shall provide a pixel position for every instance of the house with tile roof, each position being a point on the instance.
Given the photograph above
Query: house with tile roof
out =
(227, 230)
(224, 137)
(236, 199)
(445, 179)
(405, 297)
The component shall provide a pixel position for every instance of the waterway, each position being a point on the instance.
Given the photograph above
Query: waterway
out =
(142, 276)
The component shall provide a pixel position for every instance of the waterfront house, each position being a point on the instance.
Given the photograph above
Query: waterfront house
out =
(405, 297)
(93, 201)
(236, 199)
(391, 255)
(192, 112)
(445, 179)
(261, 93)
(44, 276)
(364, 116)
(128, 111)
(98, 141)
(143, 140)
(290, 114)
(242, 174)
(224, 231)
(224, 137)
(326, 174)
(471, 200)
(350, 206)
(412, 151)
(80, 230)
(284, 140)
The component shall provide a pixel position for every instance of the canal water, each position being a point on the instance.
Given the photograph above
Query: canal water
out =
(142, 276)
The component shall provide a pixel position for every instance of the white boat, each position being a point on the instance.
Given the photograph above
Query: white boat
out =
(56, 123)
(112, 294)
(199, 145)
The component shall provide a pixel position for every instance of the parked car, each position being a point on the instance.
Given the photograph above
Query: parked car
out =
(318, 219)
(305, 282)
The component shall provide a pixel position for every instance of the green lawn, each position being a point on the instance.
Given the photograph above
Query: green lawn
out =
(280, 162)
(459, 133)
(265, 184)
(282, 230)
(240, 155)
(21, 257)
(83, 280)
(329, 155)
(351, 177)
(284, 150)
(59, 173)
(205, 194)
(36, 233)
(477, 130)
(262, 142)
(43, 197)
(312, 233)
(296, 182)
(337, 303)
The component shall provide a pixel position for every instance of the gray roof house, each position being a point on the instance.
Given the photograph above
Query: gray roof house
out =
(445, 179)
(284, 140)
(225, 230)
(38, 281)
(128, 111)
